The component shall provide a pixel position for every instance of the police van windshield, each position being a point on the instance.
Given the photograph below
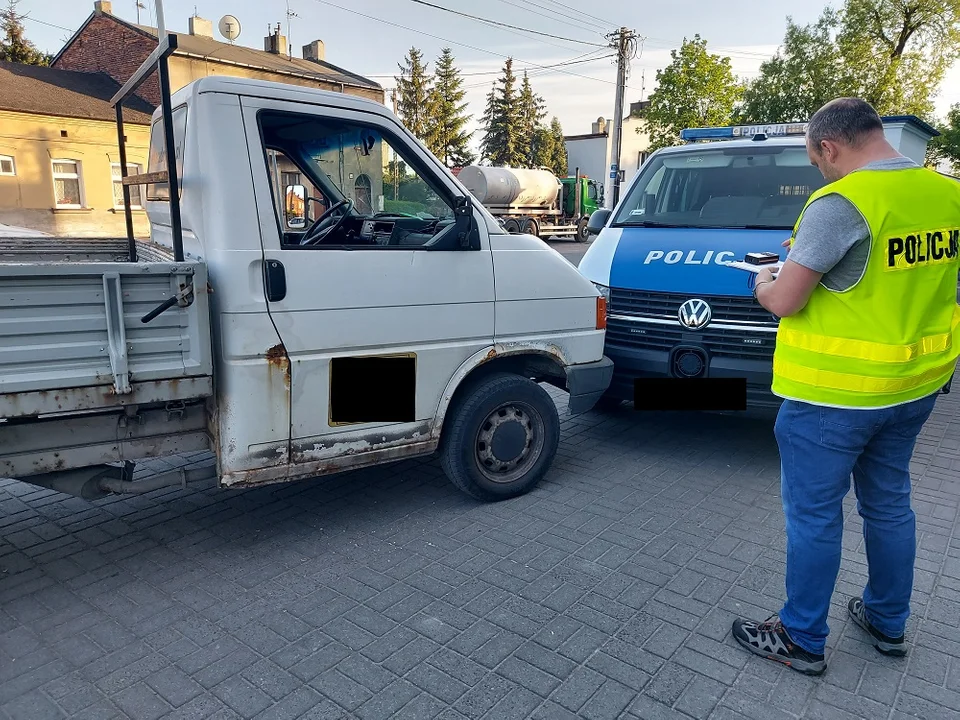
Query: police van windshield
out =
(757, 187)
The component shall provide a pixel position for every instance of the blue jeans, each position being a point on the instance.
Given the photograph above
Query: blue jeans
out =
(820, 447)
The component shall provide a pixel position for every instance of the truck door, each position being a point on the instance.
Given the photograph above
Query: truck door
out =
(376, 303)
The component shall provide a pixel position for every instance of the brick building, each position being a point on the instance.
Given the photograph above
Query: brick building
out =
(106, 43)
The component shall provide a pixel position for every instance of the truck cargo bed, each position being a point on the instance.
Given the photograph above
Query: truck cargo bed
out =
(71, 335)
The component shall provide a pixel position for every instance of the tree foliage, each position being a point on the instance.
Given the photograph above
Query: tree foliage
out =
(550, 149)
(15, 47)
(695, 89)
(946, 147)
(447, 137)
(502, 122)
(532, 112)
(806, 73)
(891, 53)
(414, 94)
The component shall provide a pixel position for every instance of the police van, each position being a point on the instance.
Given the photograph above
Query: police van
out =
(676, 310)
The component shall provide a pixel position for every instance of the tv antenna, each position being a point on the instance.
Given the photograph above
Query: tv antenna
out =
(290, 15)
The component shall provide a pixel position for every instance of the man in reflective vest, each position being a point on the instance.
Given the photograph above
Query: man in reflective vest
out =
(869, 336)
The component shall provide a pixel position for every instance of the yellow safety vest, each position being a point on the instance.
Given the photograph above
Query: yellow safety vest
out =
(894, 337)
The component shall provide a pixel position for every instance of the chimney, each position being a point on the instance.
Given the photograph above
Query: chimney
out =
(201, 27)
(600, 126)
(103, 6)
(315, 51)
(275, 43)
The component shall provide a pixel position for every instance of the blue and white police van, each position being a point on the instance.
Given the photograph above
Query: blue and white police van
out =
(675, 310)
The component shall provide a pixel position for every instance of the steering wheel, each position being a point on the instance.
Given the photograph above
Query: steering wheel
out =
(320, 229)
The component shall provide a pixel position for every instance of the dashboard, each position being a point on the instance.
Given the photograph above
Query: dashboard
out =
(377, 232)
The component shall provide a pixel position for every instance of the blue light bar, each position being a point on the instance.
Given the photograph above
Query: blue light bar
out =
(743, 131)
(715, 133)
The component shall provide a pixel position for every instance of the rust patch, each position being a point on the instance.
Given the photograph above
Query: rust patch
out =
(491, 355)
(277, 357)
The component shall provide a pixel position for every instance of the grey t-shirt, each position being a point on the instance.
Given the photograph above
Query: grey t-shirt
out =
(833, 237)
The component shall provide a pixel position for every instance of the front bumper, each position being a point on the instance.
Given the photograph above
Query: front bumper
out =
(587, 383)
(656, 360)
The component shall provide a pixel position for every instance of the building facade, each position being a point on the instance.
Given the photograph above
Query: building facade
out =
(593, 152)
(59, 157)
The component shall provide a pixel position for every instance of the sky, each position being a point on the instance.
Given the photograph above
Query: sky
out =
(370, 37)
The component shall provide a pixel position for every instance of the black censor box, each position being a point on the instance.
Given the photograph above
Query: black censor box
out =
(762, 258)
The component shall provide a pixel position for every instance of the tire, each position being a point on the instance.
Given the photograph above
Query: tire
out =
(531, 227)
(582, 235)
(512, 412)
(512, 226)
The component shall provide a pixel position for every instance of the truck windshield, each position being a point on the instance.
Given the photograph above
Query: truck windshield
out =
(762, 187)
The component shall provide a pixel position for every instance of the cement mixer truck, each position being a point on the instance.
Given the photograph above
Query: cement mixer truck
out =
(535, 202)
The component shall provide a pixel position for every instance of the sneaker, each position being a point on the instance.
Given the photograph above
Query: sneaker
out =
(770, 640)
(884, 643)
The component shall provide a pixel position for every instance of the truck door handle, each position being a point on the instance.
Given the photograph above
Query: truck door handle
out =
(274, 280)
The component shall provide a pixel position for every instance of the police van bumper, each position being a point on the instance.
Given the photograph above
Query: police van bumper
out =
(634, 365)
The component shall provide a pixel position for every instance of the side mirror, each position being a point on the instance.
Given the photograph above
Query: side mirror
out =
(598, 221)
(467, 235)
(295, 207)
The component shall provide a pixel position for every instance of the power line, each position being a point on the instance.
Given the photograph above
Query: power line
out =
(554, 13)
(460, 44)
(41, 22)
(497, 23)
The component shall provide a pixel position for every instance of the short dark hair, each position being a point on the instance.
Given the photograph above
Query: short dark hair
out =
(845, 120)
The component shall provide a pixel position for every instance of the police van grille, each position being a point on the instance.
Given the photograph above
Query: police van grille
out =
(640, 303)
(719, 342)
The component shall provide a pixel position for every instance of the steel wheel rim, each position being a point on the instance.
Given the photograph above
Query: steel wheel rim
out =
(503, 472)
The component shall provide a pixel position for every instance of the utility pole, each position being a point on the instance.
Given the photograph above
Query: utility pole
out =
(624, 42)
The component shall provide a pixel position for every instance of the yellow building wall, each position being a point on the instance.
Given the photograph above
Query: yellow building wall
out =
(34, 141)
(184, 70)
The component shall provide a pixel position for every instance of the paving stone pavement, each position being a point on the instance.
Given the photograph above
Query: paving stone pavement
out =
(608, 592)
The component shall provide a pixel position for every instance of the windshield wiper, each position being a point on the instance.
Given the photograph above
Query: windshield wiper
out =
(647, 223)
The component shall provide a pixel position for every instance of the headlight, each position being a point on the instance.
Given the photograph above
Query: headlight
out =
(603, 290)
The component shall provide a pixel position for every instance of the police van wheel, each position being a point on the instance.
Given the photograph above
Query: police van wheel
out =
(500, 438)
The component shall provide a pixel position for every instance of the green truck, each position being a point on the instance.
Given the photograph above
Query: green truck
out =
(535, 202)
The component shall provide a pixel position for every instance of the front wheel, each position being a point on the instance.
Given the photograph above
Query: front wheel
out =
(501, 438)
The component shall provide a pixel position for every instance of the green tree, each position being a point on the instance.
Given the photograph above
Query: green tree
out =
(896, 52)
(892, 53)
(947, 146)
(806, 73)
(543, 148)
(558, 161)
(414, 94)
(503, 123)
(695, 89)
(447, 138)
(532, 112)
(14, 47)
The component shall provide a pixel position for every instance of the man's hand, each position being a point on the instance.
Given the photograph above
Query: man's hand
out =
(786, 243)
(789, 293)
(765, 275)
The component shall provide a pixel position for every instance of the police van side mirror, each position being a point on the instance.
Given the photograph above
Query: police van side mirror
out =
(598, 221)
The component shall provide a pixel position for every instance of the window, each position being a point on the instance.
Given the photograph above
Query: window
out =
(158, 153)
(375, 196)
(761, 187)
(7, 165)
(67, 184)
(132, 169)
(362, 194)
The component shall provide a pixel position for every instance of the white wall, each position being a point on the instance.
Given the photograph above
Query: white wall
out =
(594, 155)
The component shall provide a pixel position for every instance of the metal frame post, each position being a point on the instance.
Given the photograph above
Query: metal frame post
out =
(127, 210)
(173, 183)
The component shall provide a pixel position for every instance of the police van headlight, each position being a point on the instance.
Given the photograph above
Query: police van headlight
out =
(603, 290)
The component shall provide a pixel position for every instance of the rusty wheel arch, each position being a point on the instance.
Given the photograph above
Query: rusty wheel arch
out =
(536, 365)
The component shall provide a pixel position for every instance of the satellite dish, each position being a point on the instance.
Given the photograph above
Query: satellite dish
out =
(229, 27)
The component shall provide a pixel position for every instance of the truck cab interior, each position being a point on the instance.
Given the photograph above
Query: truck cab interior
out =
(338, 184)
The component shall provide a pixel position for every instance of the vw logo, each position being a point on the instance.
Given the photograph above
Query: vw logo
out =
(695, 314)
